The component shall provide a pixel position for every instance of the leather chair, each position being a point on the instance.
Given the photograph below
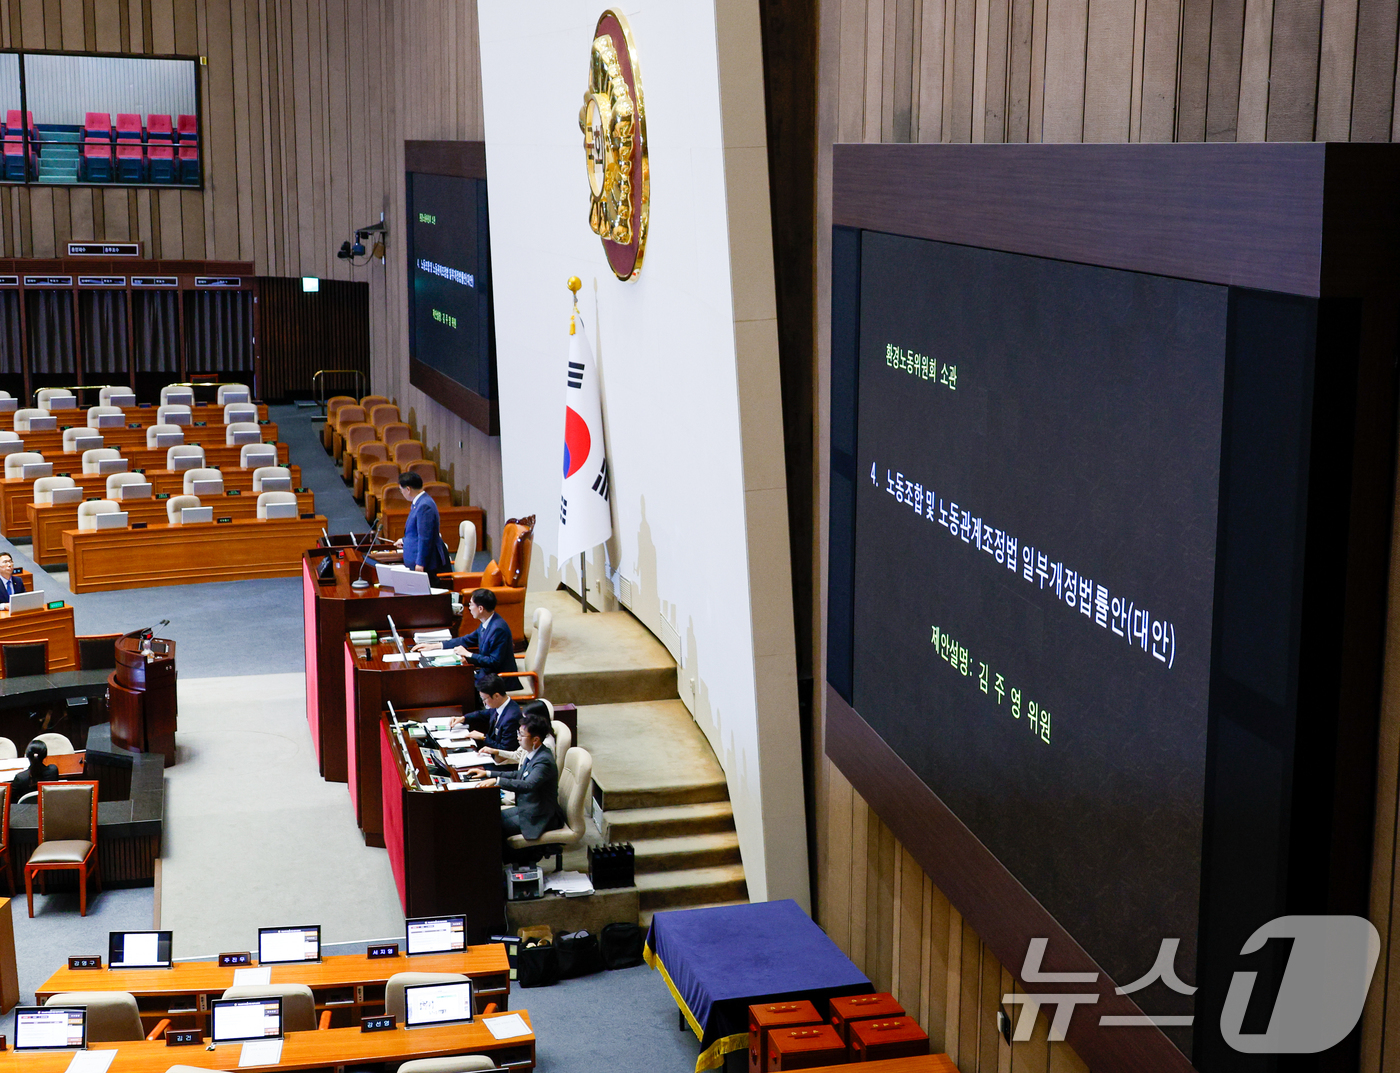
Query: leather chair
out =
(391, 497)
(44, 487)
(98, 652)
(529, 680)
(55, 398)
(344, 418)
(267, 471)
(393, 989)
(178, 390)
(174, 414)
(58, 744)
(7, 751)
(104, 395)
(184, 456)
(224, 389)
(267, 498)
(440, 491)
(67, 838)
(15, 463)
(385, 413)
(202, 474)
(366, 456)
(175, 504)
(406, 451)
(154, 432)
(94, 457)
(378, 475)
(23, 658)
(563, 737)
(351, 440)
(333, 406)
(466, 547)
(575, 783)
(117, 481)
(395, 433)
(242, 433)
(89, 509)
(257, 455)
(460, 1063)
(95, 413)
(72, 437)
(32, 419)
(507, 576)
(240, 411)
(371, 401)
(6, 436)
(112, 1016)
(424, 468)
(298, 1004)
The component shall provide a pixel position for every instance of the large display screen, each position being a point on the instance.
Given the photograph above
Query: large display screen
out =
(449, 274)
(1037, 480)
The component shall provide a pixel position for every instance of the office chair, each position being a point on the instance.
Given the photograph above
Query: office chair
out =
(15, 463)
(96, 413)
(104, 395)
(95, 456)
(24, 658)
(575, 780)
(393, 989)
(112, 1016)
(529, 680)
(563, 739)
(154, 432)
(242, 432)
(184, 456)
(25, 418)
(224, 389)
(268, 498)
(71, 436)
(175, 504)
(117, 481)
(240, 412)
(7, 749)
(466, 547)
(44, 487)
(507, 576)
(267, 471)
(257, 455)
(57, 744)
(202, 474)
(177, 413)
(461, 1063)
(89, 509)
(98, 652)
(55, 398)
(67, 838)
(298, 1004)
(178, 390)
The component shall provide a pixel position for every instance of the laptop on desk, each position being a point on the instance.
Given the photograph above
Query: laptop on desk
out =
(50, 1028)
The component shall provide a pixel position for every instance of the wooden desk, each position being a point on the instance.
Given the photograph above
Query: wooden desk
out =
(55, 627)
(47, 521)
(101, 559)
(334, 1048)
(332, 610)
(142, 415)
(126, 440)
(372, 685)
(350, 985)
(444, 845)
(923, 1063)
(450, 520)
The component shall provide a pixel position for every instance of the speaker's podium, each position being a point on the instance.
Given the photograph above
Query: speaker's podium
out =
(141, 696)
(332, 607)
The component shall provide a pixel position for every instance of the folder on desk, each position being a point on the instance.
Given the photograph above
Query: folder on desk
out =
(67, 495)
(36, 469)
(113, 465)
(132, 491)
(114, 520)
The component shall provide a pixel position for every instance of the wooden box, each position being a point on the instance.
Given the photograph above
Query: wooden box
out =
(887, 1037)
(850, 1008)
(770, 1015)
(806, 1047)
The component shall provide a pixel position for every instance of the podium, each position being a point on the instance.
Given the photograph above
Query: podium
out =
(141, 697)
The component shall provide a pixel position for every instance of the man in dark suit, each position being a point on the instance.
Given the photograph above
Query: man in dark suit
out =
(535, 785)
(499, 719)
(10, 583)
(422, 542)
(495, 650)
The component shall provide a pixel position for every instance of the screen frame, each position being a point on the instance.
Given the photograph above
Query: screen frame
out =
(169, 963)
(49, 1009)
(408, 943)
(471, 1004)
(292, 927)
(216, 1004)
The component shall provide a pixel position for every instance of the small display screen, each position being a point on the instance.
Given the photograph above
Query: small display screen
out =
(436, 935)
(276, 945)
(437, 1004)
(139, 950)
(40, 1028)
(236, 1020)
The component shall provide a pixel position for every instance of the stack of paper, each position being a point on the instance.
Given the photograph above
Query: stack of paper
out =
(363, 637)
(450, 658)
(424, 636)
(465, 760)
(569, 884)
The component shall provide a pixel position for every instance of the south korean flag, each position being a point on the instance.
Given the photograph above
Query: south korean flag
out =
(585, 513)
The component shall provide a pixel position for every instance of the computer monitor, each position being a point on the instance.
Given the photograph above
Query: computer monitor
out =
(138, 950)
(278, 946)
(435, 935)
(240, 1020)
(27, 601)
(273, 511)
(50, 1028)
(437, 1004)
(398, 641)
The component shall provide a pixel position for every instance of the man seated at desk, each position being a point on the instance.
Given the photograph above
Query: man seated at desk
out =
(495, 651)
(11, 583)
(499, 719)
(535, 785)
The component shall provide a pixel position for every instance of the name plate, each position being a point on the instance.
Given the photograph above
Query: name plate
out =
(235, 961)
(101, 281)
(91, 961)
(183, 1037)
(54, 605)
(104, 249)
(218, 281)
(383, 950)
(155, 281)
(9, 281)
(383, 1022)
(48, 281)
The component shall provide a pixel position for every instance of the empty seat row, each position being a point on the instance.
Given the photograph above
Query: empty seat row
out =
(271, 505)
(60, 490)
(100, 153)
(253, 456)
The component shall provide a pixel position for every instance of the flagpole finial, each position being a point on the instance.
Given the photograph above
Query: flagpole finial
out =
(574, 284)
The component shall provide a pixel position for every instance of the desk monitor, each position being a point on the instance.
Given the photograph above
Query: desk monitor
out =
(66, 495)
(192, 515)
(236, 396)
(44, 423)
(277, 946)
(280, 510)
(178, 398)
(86, 443)
(28, 601)
(239, 1020)
(170, 439)
(325, 570)
(113, 465)
(207, 486)
(398, 641)
(50, 1028)
(116, 519)
(437, 1004)
(277, 484)
(138, 950)
(8, 406)
(435, 935)
(30, 470)
(132, 491)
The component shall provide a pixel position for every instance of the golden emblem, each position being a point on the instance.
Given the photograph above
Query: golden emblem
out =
(613, 121)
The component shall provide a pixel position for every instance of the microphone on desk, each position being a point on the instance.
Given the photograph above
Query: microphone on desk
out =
(360, 582)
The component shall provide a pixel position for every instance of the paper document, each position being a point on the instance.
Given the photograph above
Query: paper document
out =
(93, 1061)
(263, 1052)
(252, 977)
(568, 883)
(507, 1026)
(424, 636)
(441, 722)
(466, 760)
(394, 657)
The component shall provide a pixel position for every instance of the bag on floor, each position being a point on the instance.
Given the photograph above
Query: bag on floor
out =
(579, 955)
(537, 966)
(622, 945)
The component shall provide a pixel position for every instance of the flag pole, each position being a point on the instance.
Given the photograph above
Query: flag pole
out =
(574, 284)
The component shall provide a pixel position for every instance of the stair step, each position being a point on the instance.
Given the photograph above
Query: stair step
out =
(691, 886)
(644, 917)
(687, 851)
(628, 825)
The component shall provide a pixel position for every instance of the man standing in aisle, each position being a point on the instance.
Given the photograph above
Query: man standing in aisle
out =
(422, 542)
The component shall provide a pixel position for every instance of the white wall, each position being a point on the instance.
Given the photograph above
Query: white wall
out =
(688, 360)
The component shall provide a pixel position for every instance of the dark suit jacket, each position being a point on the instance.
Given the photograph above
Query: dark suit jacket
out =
(24, 783)
(536, 789)
(495, 651)
(503, 730)
(422, 541)
(17, 585)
